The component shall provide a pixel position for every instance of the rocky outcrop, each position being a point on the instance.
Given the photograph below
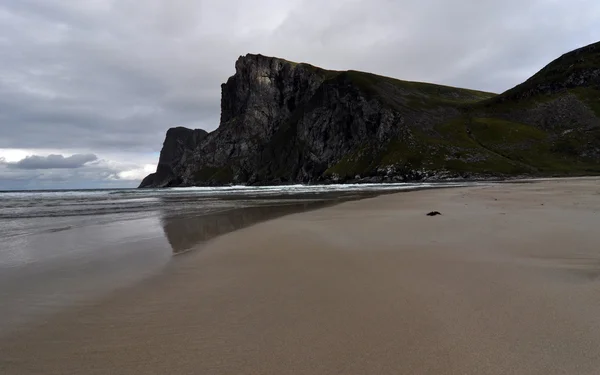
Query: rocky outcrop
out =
(283, 122)
(178, 142)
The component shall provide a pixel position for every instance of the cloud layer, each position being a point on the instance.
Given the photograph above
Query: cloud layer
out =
(53, 161)
(72, 172)
(110, 76)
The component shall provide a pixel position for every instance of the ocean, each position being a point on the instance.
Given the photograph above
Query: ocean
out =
(66, 247)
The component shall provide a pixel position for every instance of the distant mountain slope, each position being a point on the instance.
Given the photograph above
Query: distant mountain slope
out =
(573, 70)
(284, 122)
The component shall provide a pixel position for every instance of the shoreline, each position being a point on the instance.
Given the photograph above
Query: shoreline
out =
(504, 281)
(370, 181)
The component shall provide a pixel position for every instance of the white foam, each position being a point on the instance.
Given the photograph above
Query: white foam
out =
(299, 189)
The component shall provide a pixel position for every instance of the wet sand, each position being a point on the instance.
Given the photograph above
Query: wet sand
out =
(505, 281)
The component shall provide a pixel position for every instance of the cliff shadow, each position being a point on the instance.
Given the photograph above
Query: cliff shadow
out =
(185, 232)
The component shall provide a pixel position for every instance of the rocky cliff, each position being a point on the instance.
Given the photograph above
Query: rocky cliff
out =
(178, 142)
(284, 122)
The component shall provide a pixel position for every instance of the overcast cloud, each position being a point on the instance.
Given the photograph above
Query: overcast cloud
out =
(53, 161)
(108, 77)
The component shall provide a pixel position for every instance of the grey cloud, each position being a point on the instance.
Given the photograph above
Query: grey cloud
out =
(97, 173)
(108, 76)
(53, 161)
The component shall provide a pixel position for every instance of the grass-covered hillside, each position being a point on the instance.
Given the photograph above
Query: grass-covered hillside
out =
(549, 125)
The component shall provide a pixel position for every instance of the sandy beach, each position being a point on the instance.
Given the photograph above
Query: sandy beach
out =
(505, 281)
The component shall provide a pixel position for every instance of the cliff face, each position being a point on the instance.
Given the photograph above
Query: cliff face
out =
(283, 122)
(178, 142)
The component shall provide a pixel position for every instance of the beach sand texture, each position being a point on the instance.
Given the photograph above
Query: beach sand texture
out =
(505, 281)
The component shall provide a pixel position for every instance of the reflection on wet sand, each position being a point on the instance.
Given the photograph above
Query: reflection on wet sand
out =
(186, 231)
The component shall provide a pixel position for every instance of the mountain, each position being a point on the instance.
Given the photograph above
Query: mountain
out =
(285, 122)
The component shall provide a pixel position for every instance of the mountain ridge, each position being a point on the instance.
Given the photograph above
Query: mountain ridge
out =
(285, 122)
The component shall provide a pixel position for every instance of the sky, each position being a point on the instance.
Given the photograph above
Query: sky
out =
(89, 88)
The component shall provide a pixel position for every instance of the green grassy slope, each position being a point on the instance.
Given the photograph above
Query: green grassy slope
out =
(418, 95)
(578, 68)
(549, 125)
